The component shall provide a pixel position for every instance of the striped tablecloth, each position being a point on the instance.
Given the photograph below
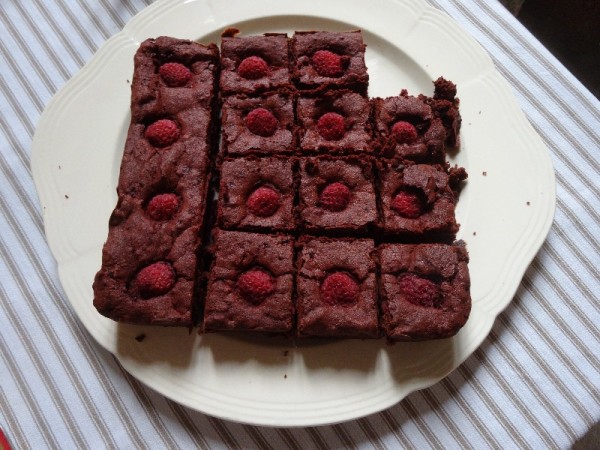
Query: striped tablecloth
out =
(534, 383)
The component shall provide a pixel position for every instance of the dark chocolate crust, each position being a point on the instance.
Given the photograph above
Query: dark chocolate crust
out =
(446, 265)
(234, 254)
(135, 240)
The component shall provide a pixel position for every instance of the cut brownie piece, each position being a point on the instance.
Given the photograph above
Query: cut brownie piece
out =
(257, 194)
(254, 64)
(262, 125)
(418, 200)
(445, 106)
(322, 60)
(425, 290)
(407, 127)
(337, 194)
(336, 288)
(250, 283)
(337, 122)
(149, 259)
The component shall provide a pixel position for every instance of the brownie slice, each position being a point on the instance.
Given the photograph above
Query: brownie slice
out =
(418, 200)
(424, 290)
(323, 60)
(337, 122)
(250, 283)
(149, 258)
(337, 194)
(254, 64)
(262, 125)
(445, 106)
(336, 288)
(407, 127)
(257, 194)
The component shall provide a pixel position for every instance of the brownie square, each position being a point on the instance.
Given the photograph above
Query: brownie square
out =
(312, 71)
(254, 64)
(262, 125)
(418, 200)
(336, 288)
(250, 283)
(337, 194)
(444, 105)
(257, 194)
(334, 123)
(406, 127)
(424, 290)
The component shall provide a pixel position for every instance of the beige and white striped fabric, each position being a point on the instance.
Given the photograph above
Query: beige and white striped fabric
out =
(534, 383)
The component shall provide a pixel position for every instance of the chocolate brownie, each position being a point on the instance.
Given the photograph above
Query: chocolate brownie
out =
(407, 127)
(337, 194)
(418, 200)
(262, 125)
(336, 288)
(337, 122)
(149, 259)
(250, 283)
(257, 194)
(445, 106)
(424, 290)
(254, 64)
(323, 60)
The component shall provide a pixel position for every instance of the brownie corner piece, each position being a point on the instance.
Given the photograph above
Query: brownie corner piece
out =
(425, 290)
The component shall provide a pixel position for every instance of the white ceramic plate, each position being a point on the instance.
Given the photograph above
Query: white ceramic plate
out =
(505, 210)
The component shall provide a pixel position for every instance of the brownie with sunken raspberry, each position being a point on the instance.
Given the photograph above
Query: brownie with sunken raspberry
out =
(419, 200)
(445, 106)
(337, 194)
(261, 125)
(254, 64)
(407, 127)
(257, 194)
(322, 60)
(336, 288)
(425, 290)
(336, 122)
(250, 285)
(149, 258)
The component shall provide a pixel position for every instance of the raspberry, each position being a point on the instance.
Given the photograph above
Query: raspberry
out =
(263, 202)
(331, 126)
(339, 288)
(420, 291)
(335, 197)
(255, 285)
(175, 74)
(155, 279)
(262, 122)
(163, 206)
(327, 64)
(404, 132)
(407, 204)
(253, 68)
(162, 133)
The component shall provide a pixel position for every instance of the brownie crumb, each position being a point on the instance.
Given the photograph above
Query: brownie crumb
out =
(528, 203)
(140, 337)
(285, 375)
(474, 233)
(484, 174)
(66, 196)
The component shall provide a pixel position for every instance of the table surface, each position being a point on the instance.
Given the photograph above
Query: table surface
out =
(534, 383)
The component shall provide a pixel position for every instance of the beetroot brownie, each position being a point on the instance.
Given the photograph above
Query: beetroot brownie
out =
(323, 60)
(250, 283)
(337, 122)
(407, 127)
(254, 64)
(424, 290)
(418, 200)
(336, 288)
(337, 194)
(257, 194)
(262, 125)
(149, 259)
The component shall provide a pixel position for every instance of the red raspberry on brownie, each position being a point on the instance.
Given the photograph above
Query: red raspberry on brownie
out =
(162, 133)
(162, 206)
(262, 122)
(255, 285)
(335, 197)
(264, 201)
(327, 64)
(253, 68)
(331, 126)
(404, 132)
(155, 279)
(420, 291)
(175, 74)
(339, 288)
(407, 204)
